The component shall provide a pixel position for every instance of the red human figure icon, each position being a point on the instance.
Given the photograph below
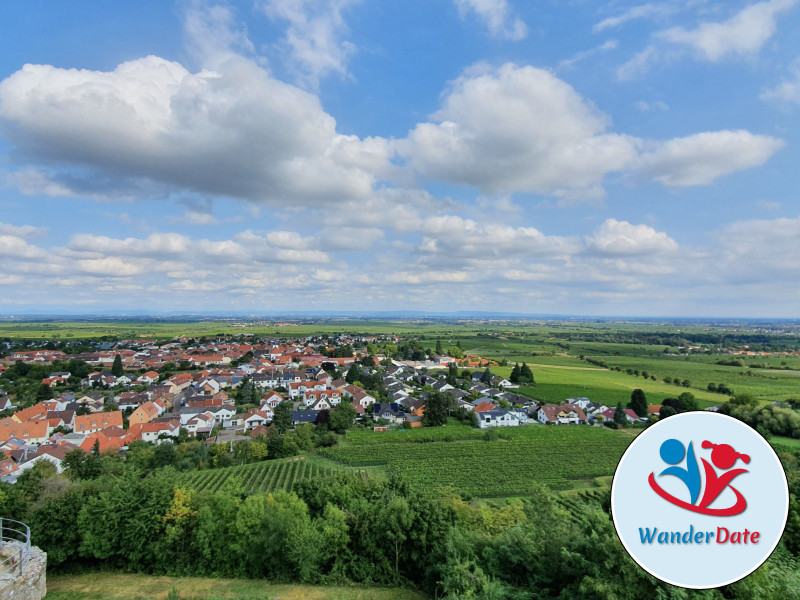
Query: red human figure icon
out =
(724, 457)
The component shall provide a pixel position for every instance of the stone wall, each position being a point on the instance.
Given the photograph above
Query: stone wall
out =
(31, 584)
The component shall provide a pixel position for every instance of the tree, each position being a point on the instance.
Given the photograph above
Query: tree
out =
(666, 411)
(688, 401)
(342, 417)
(353, 373)
(282, 417)
(116, 368)
(487, 376)
(439, 349)
(620, 417)
(639, 402)
(44, 392)
(516, 373)
(526, 375)
(435, 412)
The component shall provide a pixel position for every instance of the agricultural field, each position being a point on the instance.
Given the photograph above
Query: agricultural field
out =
(553, 349)
(562, 457)
(266, 476)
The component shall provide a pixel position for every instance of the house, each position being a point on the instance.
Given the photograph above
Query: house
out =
(303, 416)
(272, 399)
(97, 421)
(498, 418)
(8, 469)
(484, 406)
(359, 395)
(30, 432)
(329, 397)
(104, 443)
(144, 413)
(561, 414)
(66, 418)
(608, 415)
(200, 424)
(256, 418)
(154, 432)
(389, 412)
(148, 378)
(222, 414)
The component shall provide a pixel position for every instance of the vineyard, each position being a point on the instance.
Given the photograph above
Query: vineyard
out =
(266, 476)
(562, 457)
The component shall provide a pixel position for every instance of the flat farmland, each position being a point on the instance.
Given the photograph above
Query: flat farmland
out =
(561, 457)
(554, 384)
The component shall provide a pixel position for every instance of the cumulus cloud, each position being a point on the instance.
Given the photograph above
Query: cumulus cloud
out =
(704, 157)
(515, 129)
(15, 247)
(622, 238)
(522, 129)
(497, 16)
(314, 34)
(745, 33)
(232, 131)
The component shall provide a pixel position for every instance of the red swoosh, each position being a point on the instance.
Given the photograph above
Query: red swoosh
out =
(736, 509)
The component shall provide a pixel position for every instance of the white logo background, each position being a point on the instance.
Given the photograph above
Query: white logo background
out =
(635, 505)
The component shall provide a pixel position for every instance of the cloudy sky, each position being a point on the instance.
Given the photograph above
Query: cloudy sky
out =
(569, 157)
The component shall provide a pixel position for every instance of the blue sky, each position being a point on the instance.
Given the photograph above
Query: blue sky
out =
(589, 158)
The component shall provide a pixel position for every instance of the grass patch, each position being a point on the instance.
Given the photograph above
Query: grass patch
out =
(119, 586)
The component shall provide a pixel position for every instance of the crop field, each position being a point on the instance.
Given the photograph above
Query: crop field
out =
(552, 349)
(562, 457)
(556, 384)
(266, 476)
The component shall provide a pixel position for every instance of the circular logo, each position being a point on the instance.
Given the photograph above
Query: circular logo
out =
(699, 500)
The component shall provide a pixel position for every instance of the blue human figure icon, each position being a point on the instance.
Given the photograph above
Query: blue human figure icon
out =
(672, 452)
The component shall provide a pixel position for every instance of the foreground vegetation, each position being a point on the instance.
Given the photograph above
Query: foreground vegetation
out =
(123, 586)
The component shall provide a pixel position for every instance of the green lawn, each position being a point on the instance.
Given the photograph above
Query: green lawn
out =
(120, 586)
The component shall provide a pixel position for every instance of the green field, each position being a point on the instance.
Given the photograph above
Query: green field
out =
(552, 348)
(268, 476)
(562, 457)
(124, 586)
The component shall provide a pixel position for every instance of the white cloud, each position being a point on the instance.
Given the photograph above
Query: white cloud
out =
(516, 129)
(579, 56)
(314, 35)
(111, 266)
(15, 247)
(497, 16)
(745, 33)
(639, 64)
(233, 131)
(643, 106)
(642, 11)
(194, 217)
(788, 90)
(704, 157)
(212, 33)
(621, 238)
(23, 231)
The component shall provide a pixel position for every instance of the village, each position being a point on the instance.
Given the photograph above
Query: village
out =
(134, 394)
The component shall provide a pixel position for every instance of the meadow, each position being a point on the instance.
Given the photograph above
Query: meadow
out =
(126, 586)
